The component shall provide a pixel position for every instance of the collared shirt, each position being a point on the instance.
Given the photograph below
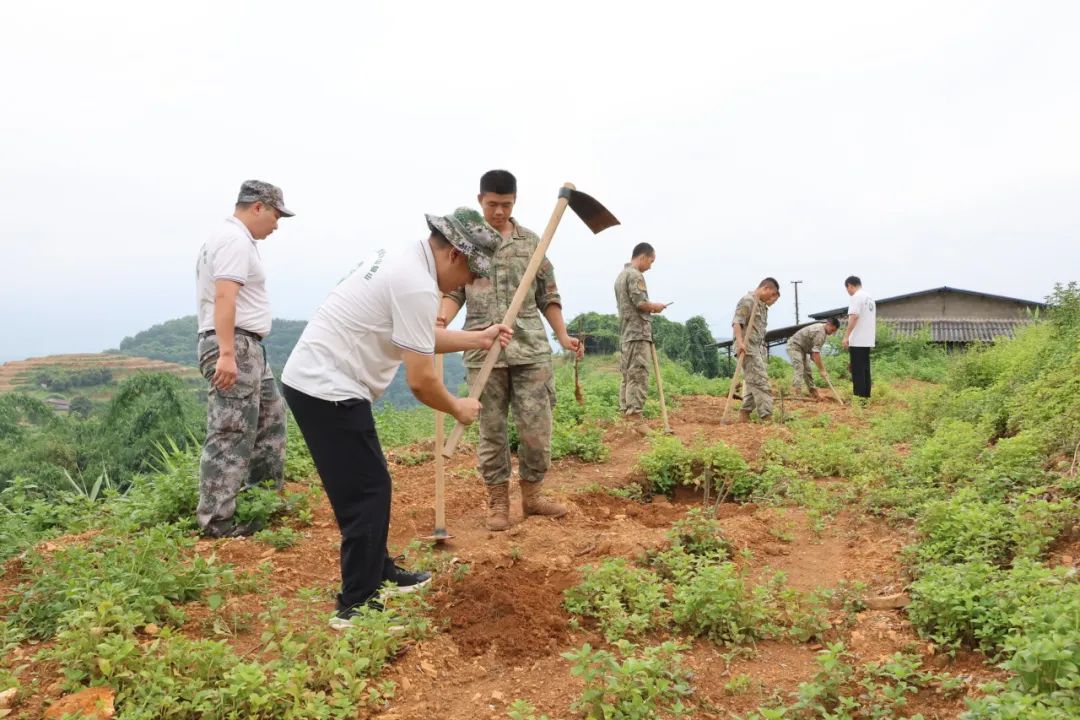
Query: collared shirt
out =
(755, 336)
(630, 291)
(355, 342)
(231, 254)
(810, 339)
(486, 301)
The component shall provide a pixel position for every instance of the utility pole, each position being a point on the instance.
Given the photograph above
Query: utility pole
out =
(796, 284)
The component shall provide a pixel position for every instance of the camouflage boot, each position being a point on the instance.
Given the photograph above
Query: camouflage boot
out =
(532, 503)
(498, 518)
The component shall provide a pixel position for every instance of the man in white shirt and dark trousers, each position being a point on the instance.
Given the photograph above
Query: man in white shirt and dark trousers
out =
(380, 316)
(860, 335)
(245, 417)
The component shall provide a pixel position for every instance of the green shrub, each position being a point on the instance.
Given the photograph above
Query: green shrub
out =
(978, 605)
(300, 670)
(950, 454)
(623, 599)
(669, 463)
(148, 574)
(699, 534)
(645, 684)
(715, 602)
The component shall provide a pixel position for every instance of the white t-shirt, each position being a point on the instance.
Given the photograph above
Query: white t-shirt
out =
(353, 345)
(865, 332)
(231, 254)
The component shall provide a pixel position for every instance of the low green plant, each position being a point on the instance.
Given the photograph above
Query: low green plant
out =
(523, 710)
(299, 669)
(279, 538)
(841, 690)
(631, 683)
(624, 600)
(149, 574)
(669, 463)
(717, 602)
(698, 533)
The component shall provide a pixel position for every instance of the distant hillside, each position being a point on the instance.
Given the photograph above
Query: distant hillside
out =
(85, 381)
(174, 341)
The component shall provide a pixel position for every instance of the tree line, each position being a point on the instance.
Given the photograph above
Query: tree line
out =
(691, 343)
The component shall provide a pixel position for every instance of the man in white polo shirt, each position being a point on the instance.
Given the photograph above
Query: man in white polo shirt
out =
(380, 316)
(860, 335)
(245, 417)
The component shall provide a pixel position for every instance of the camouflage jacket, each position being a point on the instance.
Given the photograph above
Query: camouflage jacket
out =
(810, 339)
(630, 291)
(755, 336)
(487, 299)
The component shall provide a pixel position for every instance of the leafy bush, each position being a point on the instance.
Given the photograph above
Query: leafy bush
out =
(715, 601)
(623, 599)
(645, 684)
(668, 463)
(148, 574)
(699, 534)
(300, 670)
(978, 605)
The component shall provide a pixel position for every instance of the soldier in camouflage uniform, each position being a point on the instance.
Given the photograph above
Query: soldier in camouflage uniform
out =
(523, 379)
(245, 416)
(635, 330)
(750, 341)
(806, 345)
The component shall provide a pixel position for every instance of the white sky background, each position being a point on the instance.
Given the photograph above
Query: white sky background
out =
(915, 144)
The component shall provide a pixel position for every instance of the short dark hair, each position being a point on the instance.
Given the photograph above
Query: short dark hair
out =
(642, 249)
(244, 205)
(853, 280)
(835, 322)
(770, 282)
(500, 182)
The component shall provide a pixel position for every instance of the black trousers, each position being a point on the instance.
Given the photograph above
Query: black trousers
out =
(860, 371)
(343, 443)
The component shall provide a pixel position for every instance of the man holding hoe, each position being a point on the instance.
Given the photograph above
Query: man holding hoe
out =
(806, 345)
(748, 328)
(381, 316)
(523, 379)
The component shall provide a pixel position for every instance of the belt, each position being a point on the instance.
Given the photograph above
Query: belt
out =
(239, 331)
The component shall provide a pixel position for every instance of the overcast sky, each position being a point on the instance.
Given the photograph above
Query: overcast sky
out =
(916, 144)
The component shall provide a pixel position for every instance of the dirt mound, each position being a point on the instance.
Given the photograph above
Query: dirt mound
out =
(516, 611)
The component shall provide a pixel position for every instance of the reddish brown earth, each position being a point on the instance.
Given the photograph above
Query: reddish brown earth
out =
(502, 628)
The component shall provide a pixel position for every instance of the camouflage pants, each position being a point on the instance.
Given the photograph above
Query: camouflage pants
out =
(804, 373)
(757, 393)
(245, 433)
(529, 391)
(634, 365)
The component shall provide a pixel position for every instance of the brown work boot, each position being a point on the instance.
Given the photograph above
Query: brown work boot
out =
(814, 394)
(533, 503)
(744, 416)
(498, 518)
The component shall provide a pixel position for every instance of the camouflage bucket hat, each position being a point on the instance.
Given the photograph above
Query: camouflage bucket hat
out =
(467, 231)
(259, 191)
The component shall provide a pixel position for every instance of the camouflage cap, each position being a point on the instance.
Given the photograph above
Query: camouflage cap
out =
(259, 191)
(467, 231)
